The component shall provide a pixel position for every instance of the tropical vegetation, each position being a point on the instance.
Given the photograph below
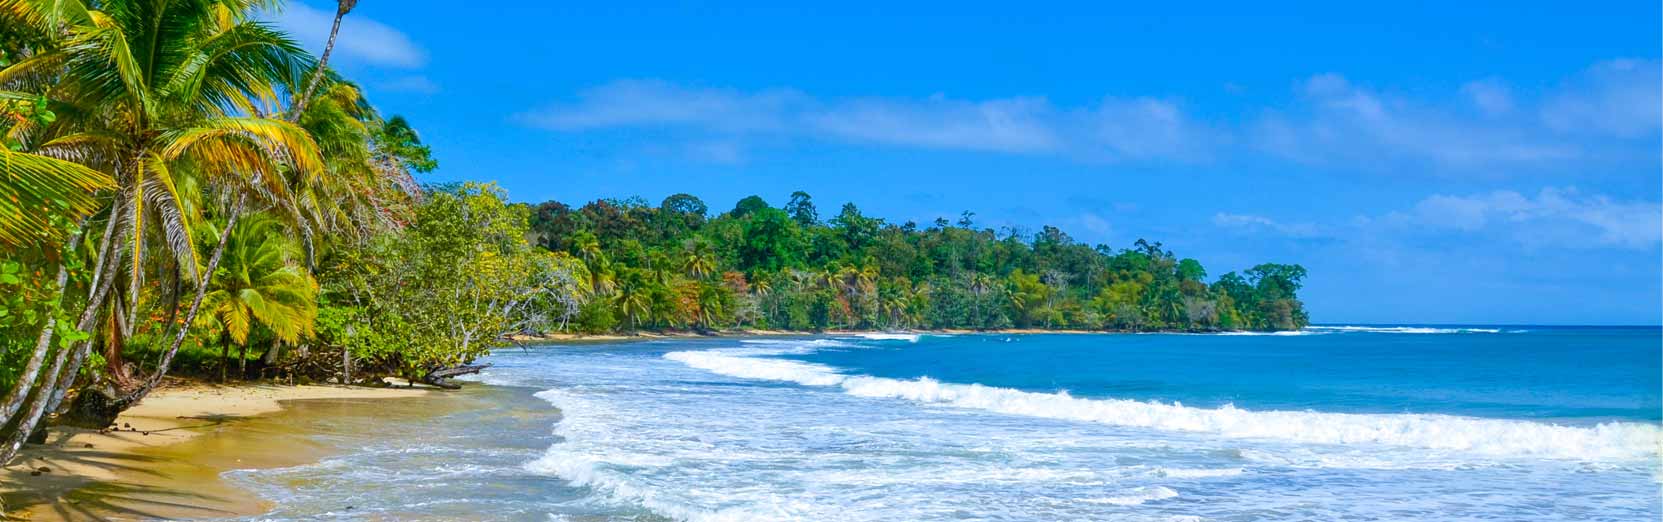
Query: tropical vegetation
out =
(182, 182)
(184, 189)
(674, 266)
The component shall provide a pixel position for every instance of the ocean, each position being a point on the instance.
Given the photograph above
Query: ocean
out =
(1328, 423)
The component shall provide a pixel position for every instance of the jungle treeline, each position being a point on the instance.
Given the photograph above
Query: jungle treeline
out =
(681, 265)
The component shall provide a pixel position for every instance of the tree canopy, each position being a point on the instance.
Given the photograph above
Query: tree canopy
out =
(758, 266)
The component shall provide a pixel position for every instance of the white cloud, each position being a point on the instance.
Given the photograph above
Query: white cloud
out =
(638, 103)
(1490, 96)
(1339, 123)
(1603, 114)
(1617, 97)
(1114, 129)
(1553, 218)
(360, 38)
(1147, 128)
(1001, 125)
(1256, 222)
(1555, 215)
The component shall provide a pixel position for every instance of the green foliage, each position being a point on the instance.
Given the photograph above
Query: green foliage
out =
(759, 266)
(449, 287)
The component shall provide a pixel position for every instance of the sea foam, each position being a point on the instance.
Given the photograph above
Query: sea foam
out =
(1615, 441)
(1401, 329)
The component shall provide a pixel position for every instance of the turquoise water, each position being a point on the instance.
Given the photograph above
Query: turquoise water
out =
(1332, 423)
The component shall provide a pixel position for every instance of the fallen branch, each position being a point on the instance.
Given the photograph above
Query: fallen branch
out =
(441, 377)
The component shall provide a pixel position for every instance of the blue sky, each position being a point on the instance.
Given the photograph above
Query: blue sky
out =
(1475, 163)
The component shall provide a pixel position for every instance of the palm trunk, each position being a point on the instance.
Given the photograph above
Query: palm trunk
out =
(224, 355)
(341, 9)
(95, 299)
(31, 370)
(242, 363)
(196, 306)
(46, 392)
(272, 354)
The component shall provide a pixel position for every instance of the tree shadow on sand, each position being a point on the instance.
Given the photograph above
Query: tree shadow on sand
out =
(122, 501)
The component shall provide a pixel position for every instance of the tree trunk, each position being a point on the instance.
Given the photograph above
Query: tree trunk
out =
(50, 393)
(45, 392)
(95, 299)
(31, 370)
(242, 363)
(224, 355)
(346, 366)
(342, 7)
(190, 316)
(273, 354)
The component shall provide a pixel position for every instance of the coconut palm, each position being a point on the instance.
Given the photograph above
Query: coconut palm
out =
(633, 299)
(342, 7)
(698, 259)
(164, 96)
(258, 284)
(585, 245)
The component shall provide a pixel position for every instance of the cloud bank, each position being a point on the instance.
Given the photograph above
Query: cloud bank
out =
(1113, 129)
(1604, 113)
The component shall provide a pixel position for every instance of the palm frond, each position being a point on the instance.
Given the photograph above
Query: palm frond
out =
(36, 190)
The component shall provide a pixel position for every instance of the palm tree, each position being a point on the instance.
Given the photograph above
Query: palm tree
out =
(159, 94)
(39, 194)
(259, 284)
(603, 281)
(632, 298)
(586, 245)
(698, 258)
(980, 284)
(342, 7)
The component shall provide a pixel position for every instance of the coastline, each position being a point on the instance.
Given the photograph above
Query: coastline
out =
(642, 335)
(165, 459)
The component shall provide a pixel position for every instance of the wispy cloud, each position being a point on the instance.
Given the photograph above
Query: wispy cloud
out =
(360, 38)
(1336, 122)
(1491, 96)
(1556, 218)
(1598, 113)
(1114, 129)
(1616, 98)
(1251, 222)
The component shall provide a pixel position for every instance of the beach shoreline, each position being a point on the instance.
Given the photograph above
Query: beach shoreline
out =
(164, 457)
(644, 335)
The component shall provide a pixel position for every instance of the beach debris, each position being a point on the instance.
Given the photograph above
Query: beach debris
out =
(89, 445)
(126, 425)
(44, 469)
(34, 473)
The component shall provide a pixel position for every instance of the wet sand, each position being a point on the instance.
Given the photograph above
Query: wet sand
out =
(166, 459)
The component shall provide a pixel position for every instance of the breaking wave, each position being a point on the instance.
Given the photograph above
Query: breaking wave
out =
(1401, 330)
(1614, 441)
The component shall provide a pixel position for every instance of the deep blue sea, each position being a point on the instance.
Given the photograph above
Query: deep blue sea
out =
(1329, 423)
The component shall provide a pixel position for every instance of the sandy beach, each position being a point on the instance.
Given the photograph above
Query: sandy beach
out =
(164, 459)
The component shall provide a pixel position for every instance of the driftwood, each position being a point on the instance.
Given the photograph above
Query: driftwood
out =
(441, 377)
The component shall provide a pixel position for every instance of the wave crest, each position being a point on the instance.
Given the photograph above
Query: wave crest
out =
(1616, 441)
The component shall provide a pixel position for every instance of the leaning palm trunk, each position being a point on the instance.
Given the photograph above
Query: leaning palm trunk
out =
(45, 392)
(341, 9)
(190, 316)
(101, 279)
(31, 370)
